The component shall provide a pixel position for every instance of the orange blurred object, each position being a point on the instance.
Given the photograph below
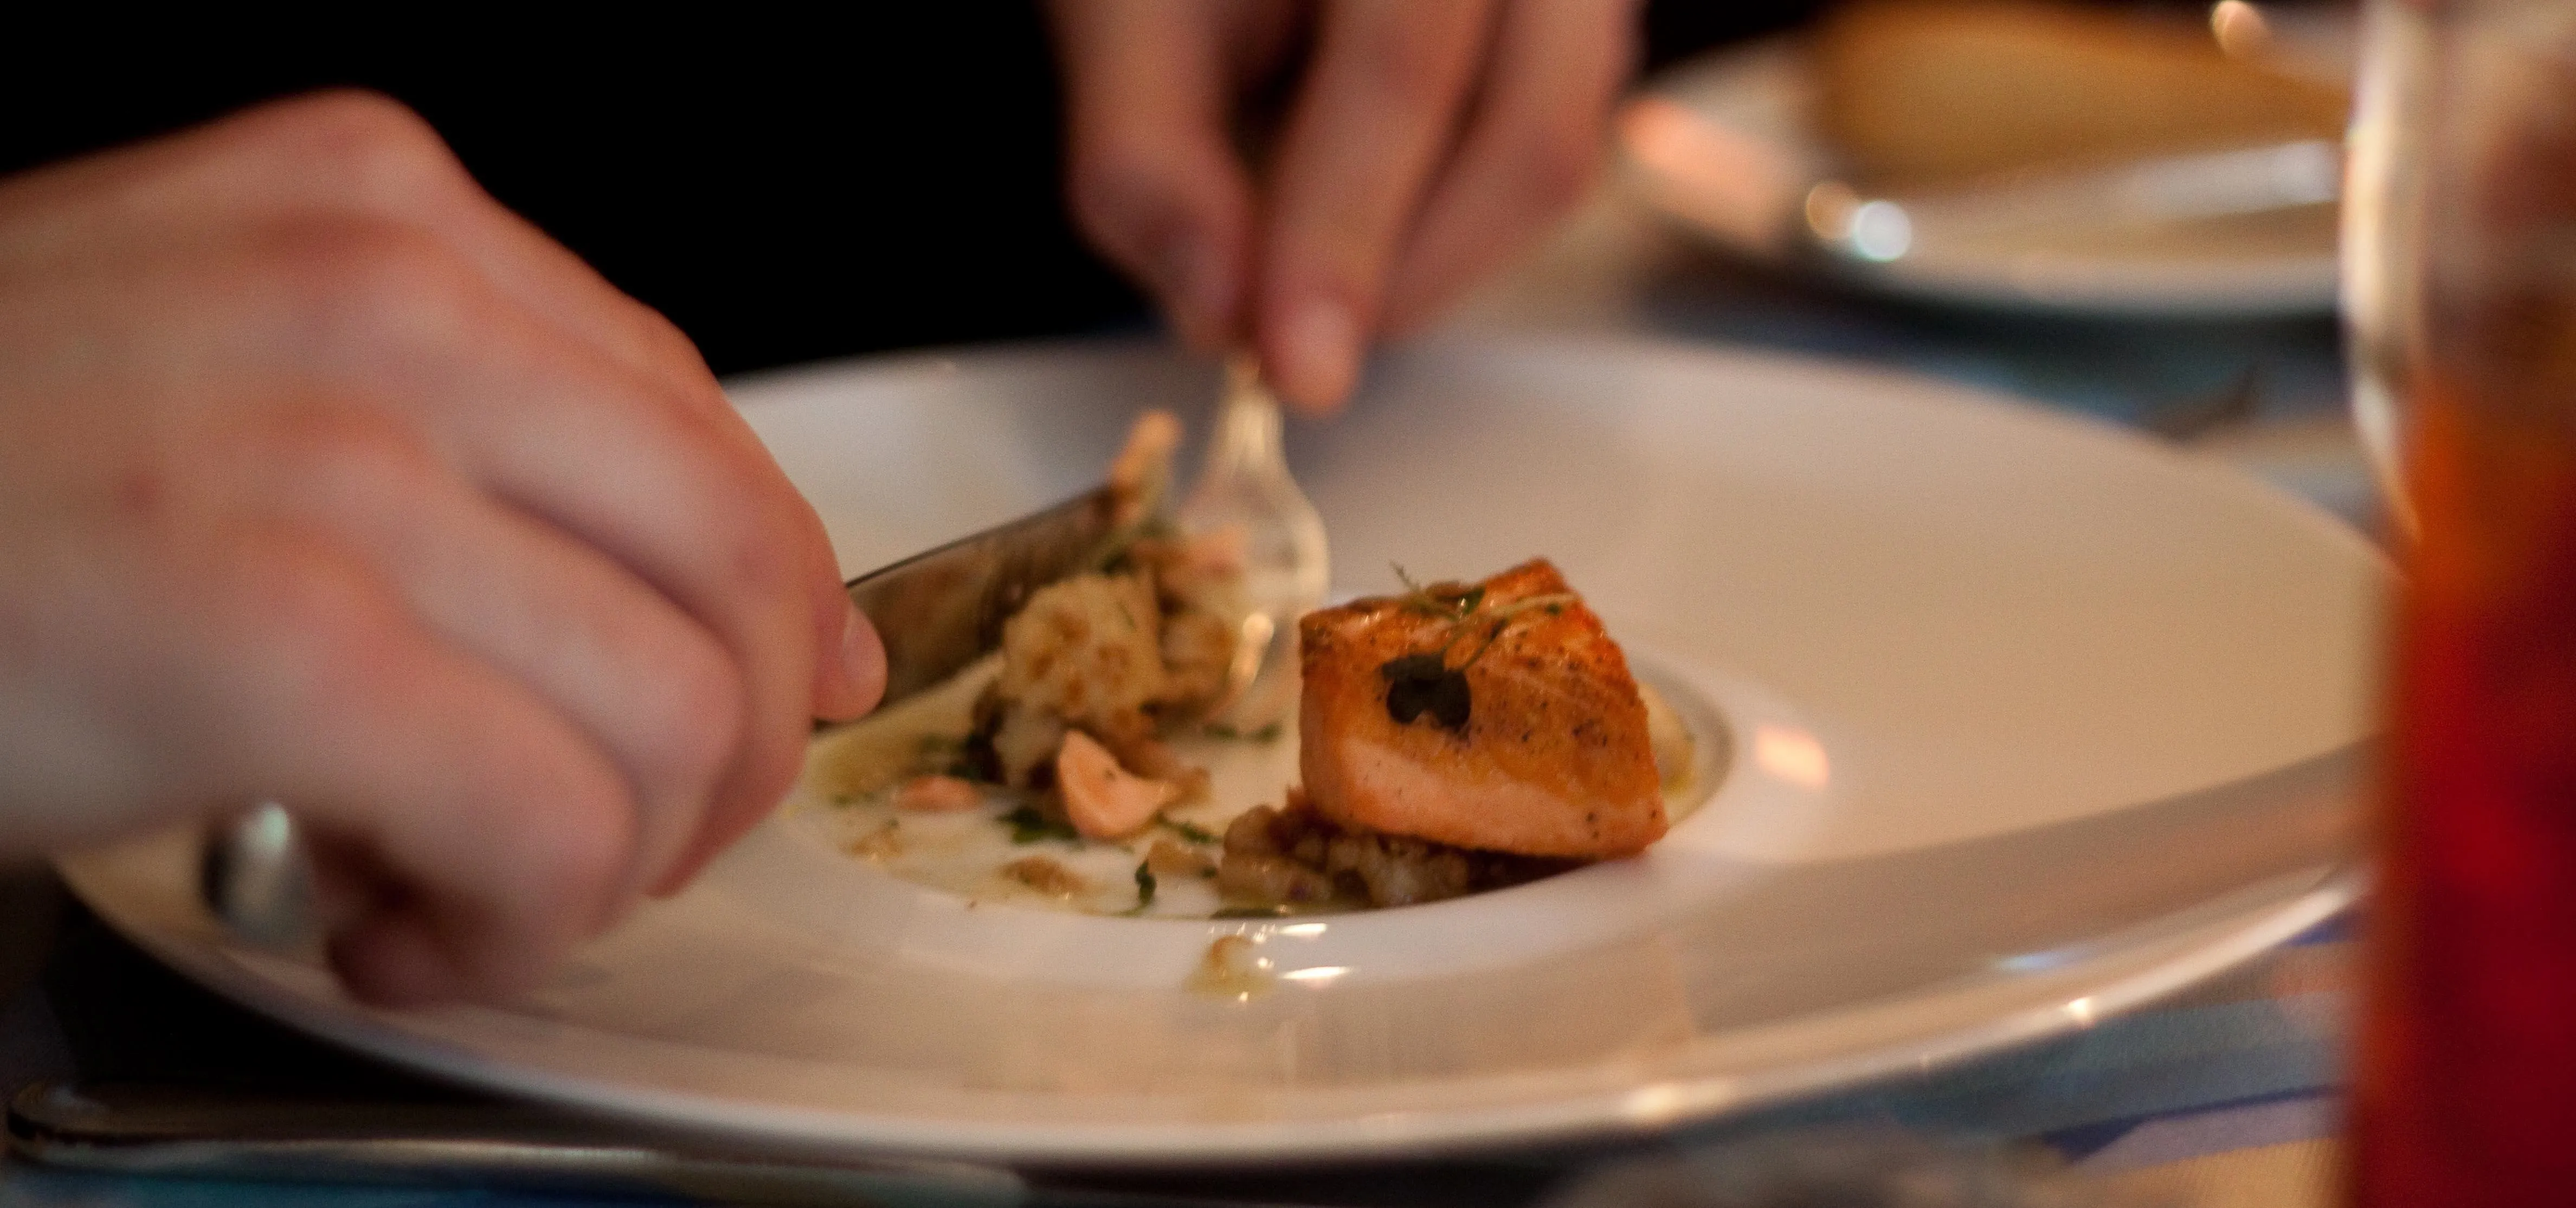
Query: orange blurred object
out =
(2462, 276)
(2467, 1079)
(1929, 90)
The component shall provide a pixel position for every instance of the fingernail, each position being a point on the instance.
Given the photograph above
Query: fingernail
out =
(1318, 348)
(863, 661)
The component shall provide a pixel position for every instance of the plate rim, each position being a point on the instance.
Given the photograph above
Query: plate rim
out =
(1682, 1100)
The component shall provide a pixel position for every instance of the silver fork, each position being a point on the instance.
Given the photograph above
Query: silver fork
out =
(1244, 484)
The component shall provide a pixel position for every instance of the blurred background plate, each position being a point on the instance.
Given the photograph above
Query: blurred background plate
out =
(2036, 721)
(1729, 145)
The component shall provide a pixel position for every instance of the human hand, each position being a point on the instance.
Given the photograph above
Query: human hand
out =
(1424, 144)
(327, 480)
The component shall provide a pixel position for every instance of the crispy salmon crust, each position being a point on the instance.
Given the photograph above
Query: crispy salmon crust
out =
(1550, 757)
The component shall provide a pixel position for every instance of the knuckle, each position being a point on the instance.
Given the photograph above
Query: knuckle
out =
(701, 702)
(761, 531)
(671, 349)
(303, 617)
(345, 447)
(366, 284)
(367, 145)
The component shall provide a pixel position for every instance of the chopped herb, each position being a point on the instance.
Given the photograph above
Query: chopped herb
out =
(1029, 824)
(1268, 733)
(1195, 834)
(1448, 600)
(1144, 885)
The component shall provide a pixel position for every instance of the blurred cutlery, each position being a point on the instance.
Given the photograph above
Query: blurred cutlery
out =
(1244, 486)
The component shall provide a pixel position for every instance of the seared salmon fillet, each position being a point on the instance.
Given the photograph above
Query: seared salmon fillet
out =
(1496, 716)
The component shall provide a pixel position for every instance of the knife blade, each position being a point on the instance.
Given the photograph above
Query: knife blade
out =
(937, 612)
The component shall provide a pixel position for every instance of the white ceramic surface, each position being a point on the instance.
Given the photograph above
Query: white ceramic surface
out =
(2034, 721)
(1738, 178)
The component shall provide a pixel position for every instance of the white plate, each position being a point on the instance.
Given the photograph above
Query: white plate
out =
(2038, 721)
(1738, 175)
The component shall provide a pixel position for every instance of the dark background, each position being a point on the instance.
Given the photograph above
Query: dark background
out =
(783, 188)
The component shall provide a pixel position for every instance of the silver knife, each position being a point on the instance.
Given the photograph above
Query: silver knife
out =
(938, 611)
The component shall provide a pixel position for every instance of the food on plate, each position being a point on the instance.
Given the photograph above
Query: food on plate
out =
(1294, 856)
(1497, 715)
(1062, 735)
(1926, 90)
(1455, 738)
(1116, 656)
(939, 793)
(1102, 799)
(1046, 875)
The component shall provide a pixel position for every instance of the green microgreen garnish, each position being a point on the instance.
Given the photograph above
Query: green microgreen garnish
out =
(1195, 834)
(1029, 824)
(1220, 730)
(1448, 601)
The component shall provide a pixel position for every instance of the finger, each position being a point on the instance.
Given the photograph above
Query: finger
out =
(1371, 123)
(723, 536)
(294, 674)
(604, 454)
(1150, 175)
(369, 156)
(609, 457)
(1531, 148)
(365, 161)
(649, 686)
